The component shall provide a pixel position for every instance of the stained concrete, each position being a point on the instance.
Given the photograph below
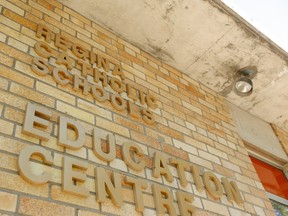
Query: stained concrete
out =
(258, 134)
(205, 40)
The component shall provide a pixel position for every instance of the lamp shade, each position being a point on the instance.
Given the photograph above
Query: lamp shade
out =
(243, 86)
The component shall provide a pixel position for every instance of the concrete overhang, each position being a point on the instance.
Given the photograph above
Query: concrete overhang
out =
(205, 40)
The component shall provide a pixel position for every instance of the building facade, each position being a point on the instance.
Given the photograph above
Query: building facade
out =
(92, 125)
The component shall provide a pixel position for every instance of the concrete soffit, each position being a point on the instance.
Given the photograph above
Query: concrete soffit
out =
(205, 40)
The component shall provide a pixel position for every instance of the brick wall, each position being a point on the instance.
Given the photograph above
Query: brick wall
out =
(191, 121)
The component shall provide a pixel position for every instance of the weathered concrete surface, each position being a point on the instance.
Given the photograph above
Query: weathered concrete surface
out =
(258, 134)
(205, 40)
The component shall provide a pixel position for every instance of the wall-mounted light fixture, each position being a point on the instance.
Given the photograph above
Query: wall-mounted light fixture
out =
(243, 85)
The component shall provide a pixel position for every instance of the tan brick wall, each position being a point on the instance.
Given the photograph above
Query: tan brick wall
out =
(192, 122)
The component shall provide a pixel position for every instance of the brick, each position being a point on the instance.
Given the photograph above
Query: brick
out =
(207, 104)
(14, 115)
(231, 166)
(62, 13)
(180, 95)
(251, 174)
(104, 31)
(2, 37)
(133, 71)
(167, 115)
(249, 208)
(153, 64)
(18, 45)
(156, 135)
(215, 207)
(88, 213)
(217, 152)
(77, 16)
(25, 69)
(173, 111)
(130, 57)
(179, 128)
(118, 56)
(92, 30)
(126, 209)
(4, 59)
(144, 71)
(148, 141)
(203, 213)
(6, 127)
(199, 145)
(245, 179)
(15, 35)
(177, 152)
(206, 89)
(158, 84)
(93, 108)
(16, 183)
(202, 138)
(51, 5)
(33, 206)
(185, 147)
(10, 23)
(147, 85)
(108, 125)
(236, 212)
(128, 45)
(11, 145)
(105, 43)
(151, 58)
(26, 7)
(190, 80)
(59, 195)
(258, 192)
(12, 52)
(8, 201)
(128, 123)
(170, 97)
(168, 75)
(58, 24)
(77, 22)
(130, 51)
(19, 19)
(44, 10)
(254, 200)
(56, 93)
(32, 95)
(238, 162)
(105, 38)
(191, 107)
(200, 161)
(209, 157)
(12, 7)
(170, 132)
(75, 112)
(76, 27)
(92, 42)
(223, 171)
(168, 83)
(19, 134)
(15, 76)
(179, 121)
(55, 3)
